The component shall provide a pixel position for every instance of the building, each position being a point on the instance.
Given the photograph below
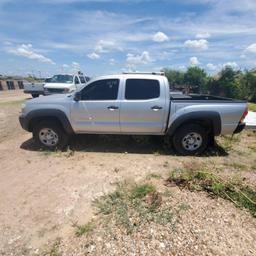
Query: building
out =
(11, 83)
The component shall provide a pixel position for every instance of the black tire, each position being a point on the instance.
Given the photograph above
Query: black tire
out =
(55, 129)
(190, 139)
(35, 95)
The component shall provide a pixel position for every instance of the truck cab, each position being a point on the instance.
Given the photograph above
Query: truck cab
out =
(64, 83)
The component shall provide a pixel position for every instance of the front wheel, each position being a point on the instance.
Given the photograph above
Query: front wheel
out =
(34, 95)
(50, 135)
(190, 139)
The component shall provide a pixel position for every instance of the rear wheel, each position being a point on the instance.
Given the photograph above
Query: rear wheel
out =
(35, 95)
(190, 139)
(50, 135)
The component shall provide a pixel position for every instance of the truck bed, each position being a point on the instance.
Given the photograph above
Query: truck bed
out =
(202, 98)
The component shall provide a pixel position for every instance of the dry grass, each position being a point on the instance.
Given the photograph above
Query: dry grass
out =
(252, 107)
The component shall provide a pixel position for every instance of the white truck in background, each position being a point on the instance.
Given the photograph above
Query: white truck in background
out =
(65, 83)
(35, 89)
(62, 83)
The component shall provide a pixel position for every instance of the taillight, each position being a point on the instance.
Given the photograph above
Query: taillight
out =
(244, 115)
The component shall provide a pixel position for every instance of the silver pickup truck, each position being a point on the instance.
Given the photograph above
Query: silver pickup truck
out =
(136, 104)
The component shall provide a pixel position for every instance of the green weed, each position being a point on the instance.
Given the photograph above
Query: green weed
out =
(242, 196)
(132, 205)
(84, 229)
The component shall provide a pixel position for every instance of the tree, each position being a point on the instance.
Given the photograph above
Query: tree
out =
(248, 86)
(175, 77)
(196, 79)
(228, 83)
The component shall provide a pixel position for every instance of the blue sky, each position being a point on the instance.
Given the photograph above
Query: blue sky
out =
(111, 36)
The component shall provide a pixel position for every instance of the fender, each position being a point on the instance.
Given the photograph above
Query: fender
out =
(210, 116)
(47, 113)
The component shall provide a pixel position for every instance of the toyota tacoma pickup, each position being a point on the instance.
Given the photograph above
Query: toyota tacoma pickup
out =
(133, 104)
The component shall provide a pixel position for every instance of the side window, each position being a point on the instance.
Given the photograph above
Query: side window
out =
(101, 90)
(142, 89)
(82, 79)
(76, 80)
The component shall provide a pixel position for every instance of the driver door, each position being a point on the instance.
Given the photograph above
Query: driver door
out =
(99, 108)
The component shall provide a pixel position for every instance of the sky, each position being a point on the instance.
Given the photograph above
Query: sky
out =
(45, 37)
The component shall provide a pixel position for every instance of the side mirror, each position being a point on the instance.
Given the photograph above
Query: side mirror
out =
(77, 96)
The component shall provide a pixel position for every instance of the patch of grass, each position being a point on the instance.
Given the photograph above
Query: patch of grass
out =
(236, 166)
(58, 153)
(242, 196)
(166, 164)
(227, 142)
(131, 205)
(140, 191)
(183, 207)
(252, 107)
(84, 229)
(54, 250)
(154, 176)
(252, 147)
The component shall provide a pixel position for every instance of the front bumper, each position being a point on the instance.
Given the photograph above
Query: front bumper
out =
(239, 128)
(23, 122)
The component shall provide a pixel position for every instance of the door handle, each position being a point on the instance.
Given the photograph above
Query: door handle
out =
(156, 108)
(113, 108)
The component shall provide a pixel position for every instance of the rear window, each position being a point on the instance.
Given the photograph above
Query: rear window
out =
(142, 89)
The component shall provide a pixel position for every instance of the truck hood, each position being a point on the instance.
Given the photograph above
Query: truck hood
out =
(55, 98)
(58, 85)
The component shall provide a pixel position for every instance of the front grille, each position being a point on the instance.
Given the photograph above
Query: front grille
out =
(53, 90)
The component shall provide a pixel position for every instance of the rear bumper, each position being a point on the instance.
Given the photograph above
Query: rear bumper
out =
(23, 122)
(34, 92)
(239, 128)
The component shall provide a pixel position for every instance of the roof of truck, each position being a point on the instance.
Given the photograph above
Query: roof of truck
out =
(131, 75)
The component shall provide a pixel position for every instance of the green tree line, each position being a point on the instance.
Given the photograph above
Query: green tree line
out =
(227, 83)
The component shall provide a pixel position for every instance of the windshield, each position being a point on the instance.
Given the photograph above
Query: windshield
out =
(61, 79)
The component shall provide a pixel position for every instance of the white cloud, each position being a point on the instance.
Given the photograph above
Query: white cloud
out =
(74, 67)
(112, 62)
(211, 67)
(133, 60)
(233, 65)
(193, 61)
(105, 46)
(201, 44)
(26, 50)
(251, 48)
(160, 37)
(203, 35)
(93, 56)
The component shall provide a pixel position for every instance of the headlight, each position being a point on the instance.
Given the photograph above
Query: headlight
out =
(66, 90)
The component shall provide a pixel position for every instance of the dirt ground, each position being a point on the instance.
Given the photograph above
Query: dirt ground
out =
(42, 194)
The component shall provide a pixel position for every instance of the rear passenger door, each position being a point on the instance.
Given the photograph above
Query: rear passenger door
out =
(143, 107)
